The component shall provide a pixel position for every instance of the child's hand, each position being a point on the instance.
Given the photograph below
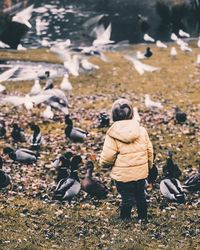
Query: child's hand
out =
(149, 187)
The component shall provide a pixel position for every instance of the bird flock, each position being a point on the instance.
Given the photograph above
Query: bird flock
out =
(75, 59)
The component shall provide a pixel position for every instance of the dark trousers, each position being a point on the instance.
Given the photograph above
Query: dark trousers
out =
(132, 193)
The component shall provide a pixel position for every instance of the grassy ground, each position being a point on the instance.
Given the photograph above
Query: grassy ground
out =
(30, 220)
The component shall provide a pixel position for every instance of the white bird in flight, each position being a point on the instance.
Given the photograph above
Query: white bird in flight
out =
(24, 16)
(4, 45)
(102, 35)
(88, 65)
(141, 67)
(151, 104)
(8, 73)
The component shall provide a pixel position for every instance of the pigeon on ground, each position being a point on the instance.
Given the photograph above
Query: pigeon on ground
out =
(152, 104)
(180, 116)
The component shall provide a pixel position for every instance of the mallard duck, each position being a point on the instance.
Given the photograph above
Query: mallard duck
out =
(74, 134)
(170, 186)
(69, 187)
(171, 169)
(172, 190)
(104, 120)
(36, 139)
(2, 129)
(17, 133)
(21, 155)
(192, 182)
(91, 185)
(63, 168)
(4, 178)
(57, 162)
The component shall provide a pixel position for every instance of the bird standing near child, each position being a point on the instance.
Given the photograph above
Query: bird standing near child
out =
(91, 185)
(170, 186)
(68, 188)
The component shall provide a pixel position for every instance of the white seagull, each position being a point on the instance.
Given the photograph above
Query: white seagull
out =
(198, 43)
(185, 48)
(4, 45)
(161, 45)
(24, 16)
(136, 114)
(140, 55)
(7, 74)
(151, 104)
(36, 88)
(102, 35)
(66, 84)
(174, 37)
(198, 60)
(173, 52)
(86, 65)
(183, 34)
(2, 88)
(148, 38)
(21, 48)
(72, 65)
(47, 113)
(141, 67)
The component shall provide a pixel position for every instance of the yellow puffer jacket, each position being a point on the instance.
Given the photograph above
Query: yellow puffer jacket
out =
(128, 149)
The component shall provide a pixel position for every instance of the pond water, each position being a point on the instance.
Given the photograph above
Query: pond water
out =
(64, 19)
(54, 20)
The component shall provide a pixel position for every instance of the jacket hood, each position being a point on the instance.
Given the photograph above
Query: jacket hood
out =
(126, 130)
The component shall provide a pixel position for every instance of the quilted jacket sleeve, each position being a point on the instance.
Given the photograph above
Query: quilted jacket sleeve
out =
(109, 153)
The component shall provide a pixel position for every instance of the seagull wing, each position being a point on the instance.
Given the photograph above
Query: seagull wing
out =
(93, 21)
(7, 74)
(149, 68)
(136, 63)
(24, 16)
(15, 100)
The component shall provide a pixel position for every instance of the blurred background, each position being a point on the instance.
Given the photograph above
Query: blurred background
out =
(130, 19)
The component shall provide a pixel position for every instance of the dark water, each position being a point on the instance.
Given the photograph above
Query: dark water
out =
(64, 19)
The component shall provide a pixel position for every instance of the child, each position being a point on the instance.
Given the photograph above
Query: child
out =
(128, 150)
